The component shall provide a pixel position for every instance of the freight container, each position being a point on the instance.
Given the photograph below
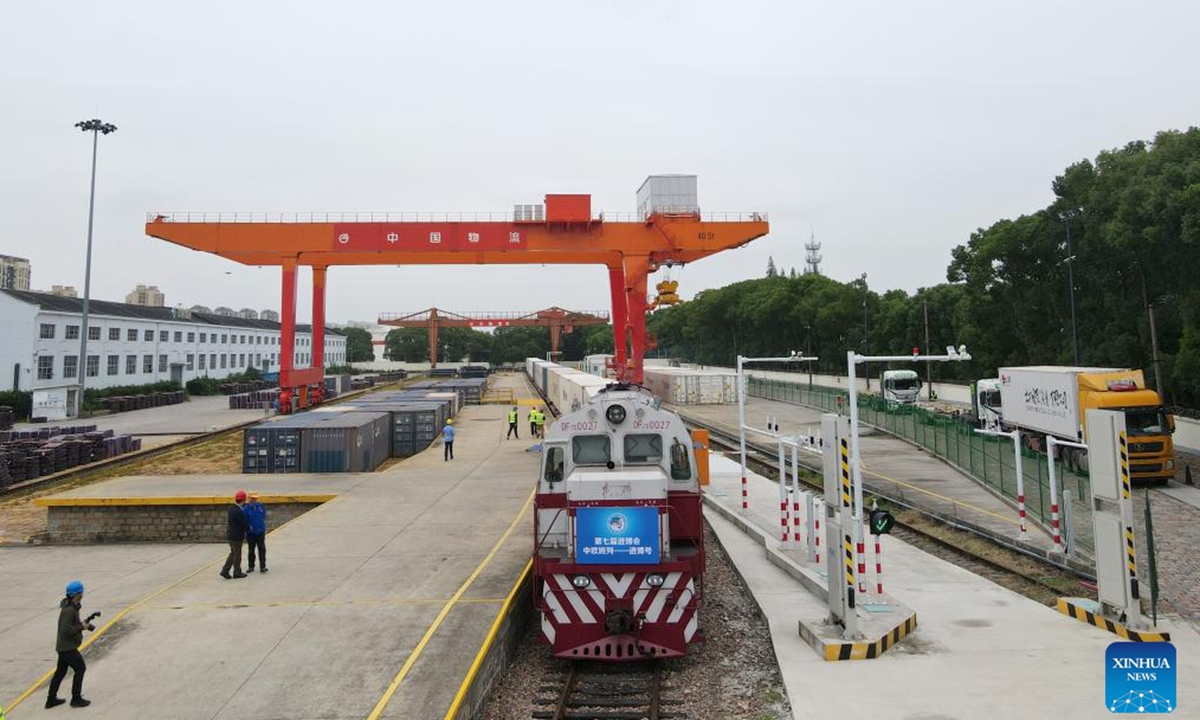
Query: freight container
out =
(274, 446)
(346, 442)
(677, 386)
(669, 195)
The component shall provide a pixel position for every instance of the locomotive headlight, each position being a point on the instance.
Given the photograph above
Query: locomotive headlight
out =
(655, 580)
(581, 581)
(615, 414)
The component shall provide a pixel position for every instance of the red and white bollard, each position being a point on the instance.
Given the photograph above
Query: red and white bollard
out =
(783, 503)
(817, 531)
(1057, 532)
(878, 566)
(795, 499)
(1021, 513)
(745, 496)
(862, 563)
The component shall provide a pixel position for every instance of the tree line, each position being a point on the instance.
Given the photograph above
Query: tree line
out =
(1132, 217)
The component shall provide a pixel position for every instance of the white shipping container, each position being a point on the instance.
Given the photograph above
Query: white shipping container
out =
(677, 386)
(1044, 399)
(673, 194)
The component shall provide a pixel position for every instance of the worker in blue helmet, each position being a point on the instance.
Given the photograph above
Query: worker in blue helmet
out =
(70, 637)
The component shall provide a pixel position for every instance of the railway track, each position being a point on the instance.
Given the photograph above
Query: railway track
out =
(599, 691)
(1025, 574)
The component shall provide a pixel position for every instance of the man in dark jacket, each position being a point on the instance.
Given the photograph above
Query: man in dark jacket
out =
(256, 531)
(70, 636)
(235, 533)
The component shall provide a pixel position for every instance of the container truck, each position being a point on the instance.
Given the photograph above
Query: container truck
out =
(1053, 400)
(900, 386)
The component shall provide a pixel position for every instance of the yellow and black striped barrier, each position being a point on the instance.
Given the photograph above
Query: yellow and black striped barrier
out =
(833, 650)
(1067, 606)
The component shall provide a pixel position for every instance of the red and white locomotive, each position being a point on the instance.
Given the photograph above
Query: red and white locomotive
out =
(618, 531)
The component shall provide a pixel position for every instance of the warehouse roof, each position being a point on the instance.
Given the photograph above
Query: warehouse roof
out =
(56, 303)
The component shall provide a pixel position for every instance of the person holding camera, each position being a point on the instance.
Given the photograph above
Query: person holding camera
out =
(70, 637)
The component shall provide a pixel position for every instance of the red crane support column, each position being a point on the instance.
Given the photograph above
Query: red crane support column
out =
(616, 284)
(318, 330)
(287, 335)
(556, 331)
(637, 270)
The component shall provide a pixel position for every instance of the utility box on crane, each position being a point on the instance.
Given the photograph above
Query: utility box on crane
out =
(568, 208)
(668, 195)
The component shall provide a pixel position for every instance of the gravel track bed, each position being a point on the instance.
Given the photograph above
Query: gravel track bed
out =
(732, 676)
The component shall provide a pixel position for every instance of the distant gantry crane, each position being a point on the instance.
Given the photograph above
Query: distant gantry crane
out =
(668, 228)
(558, 320)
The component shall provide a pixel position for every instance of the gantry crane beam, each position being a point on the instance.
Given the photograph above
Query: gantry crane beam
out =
(557, 319)
(629, 248)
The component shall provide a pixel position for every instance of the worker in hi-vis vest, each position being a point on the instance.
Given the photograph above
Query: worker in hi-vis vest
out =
(533, 413)
(512, 424)
(541, 423)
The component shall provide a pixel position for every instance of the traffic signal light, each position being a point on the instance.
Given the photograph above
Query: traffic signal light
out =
(882, 522)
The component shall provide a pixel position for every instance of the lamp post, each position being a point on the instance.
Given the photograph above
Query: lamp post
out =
(96, 128)
(1071, 281)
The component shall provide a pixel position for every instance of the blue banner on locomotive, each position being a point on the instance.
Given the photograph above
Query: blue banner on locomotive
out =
(619, 536)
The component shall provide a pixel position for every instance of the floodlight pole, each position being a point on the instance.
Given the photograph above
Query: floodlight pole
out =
(96, 128)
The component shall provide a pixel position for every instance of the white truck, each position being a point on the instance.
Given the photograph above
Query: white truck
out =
(1054, 400)
(900, 386)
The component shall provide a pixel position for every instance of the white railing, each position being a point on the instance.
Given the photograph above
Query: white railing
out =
(408, 217)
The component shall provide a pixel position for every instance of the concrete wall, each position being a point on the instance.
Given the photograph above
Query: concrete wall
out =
(152, 523)
(1187, 433)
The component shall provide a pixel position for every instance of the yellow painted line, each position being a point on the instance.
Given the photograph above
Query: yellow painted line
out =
(371, 602)
(173, 500)
(128, 609)
(487, 643)
(445, 611)
(960, 503)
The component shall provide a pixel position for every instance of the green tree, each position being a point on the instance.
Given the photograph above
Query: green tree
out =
(358, 345)
(407, 345)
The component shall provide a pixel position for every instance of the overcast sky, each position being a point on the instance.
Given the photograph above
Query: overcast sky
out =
(894, 129)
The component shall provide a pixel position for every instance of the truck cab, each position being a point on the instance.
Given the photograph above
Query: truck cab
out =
(986, 399)
(900, 386)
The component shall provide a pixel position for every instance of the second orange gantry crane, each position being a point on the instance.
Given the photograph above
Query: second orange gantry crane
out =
(631, 248)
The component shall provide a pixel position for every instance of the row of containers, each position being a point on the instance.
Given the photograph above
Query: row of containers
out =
(569, 389)
(357, 436)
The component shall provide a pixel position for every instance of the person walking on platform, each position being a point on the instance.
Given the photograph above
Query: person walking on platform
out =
(533, 413)
(235, 533)
(448, 441)
(541, 423)
(256, 532)
(70, 637)
(512, 424)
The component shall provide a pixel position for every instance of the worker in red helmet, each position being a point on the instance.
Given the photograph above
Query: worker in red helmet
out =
(235, 533)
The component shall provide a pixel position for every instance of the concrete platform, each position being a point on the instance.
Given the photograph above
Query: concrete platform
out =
(892, 466)
(980, 651)
(161, 425)
(376, 605)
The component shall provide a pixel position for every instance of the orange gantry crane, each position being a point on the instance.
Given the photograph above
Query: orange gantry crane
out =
(555, 318)
(630, 248)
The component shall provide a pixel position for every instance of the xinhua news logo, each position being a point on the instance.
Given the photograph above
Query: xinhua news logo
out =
(1140, 677)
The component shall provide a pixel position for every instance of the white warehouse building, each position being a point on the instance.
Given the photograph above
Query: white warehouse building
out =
(136, 345)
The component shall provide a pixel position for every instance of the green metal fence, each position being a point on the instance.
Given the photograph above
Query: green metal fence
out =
(990, 460)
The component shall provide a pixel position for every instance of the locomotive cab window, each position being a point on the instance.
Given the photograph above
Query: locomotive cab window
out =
(554, 463)
(681, 466)
(643, 449)
(591, 449)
